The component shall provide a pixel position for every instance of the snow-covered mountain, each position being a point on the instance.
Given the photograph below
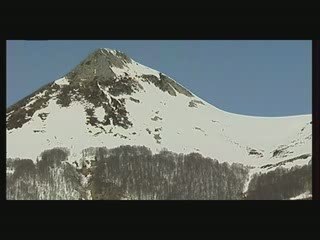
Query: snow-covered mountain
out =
(110, 100)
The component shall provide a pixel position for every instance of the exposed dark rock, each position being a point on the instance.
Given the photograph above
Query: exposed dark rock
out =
(276, 153)
(158, 129)
(194, 103)
(37, 131)
(166, 84)
(43, 116)
(267, 166)
(255, 152)
(157, 137)
(303, 156)
(175, 85)
(162, 84)
(197, 128)
(20, 114)
(26, 99)
(134, 100)
(122, 136)
(156, 118)
(280, 151)
(98, 63)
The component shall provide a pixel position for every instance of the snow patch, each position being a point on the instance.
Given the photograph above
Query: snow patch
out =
(100, 113)
(62, 81)
(114, 52)
(134, 69)
(302, 196)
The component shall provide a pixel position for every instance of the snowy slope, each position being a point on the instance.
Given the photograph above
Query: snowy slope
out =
(160, 119)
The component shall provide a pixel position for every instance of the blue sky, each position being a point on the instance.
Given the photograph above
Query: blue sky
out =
(260, 78)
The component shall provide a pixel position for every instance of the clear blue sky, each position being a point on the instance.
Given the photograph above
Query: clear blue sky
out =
(261, 78)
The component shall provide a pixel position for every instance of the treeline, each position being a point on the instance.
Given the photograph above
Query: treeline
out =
(133, 172)
(50, 178)
(126, 172)
(281, 183)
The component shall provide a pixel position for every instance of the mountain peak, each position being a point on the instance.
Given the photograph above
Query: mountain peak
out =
(109, 66)
(111, 53)
(99, 63)
(102, 79)
(111, 100)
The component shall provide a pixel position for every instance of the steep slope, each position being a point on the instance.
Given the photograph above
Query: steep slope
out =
(110, 100)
